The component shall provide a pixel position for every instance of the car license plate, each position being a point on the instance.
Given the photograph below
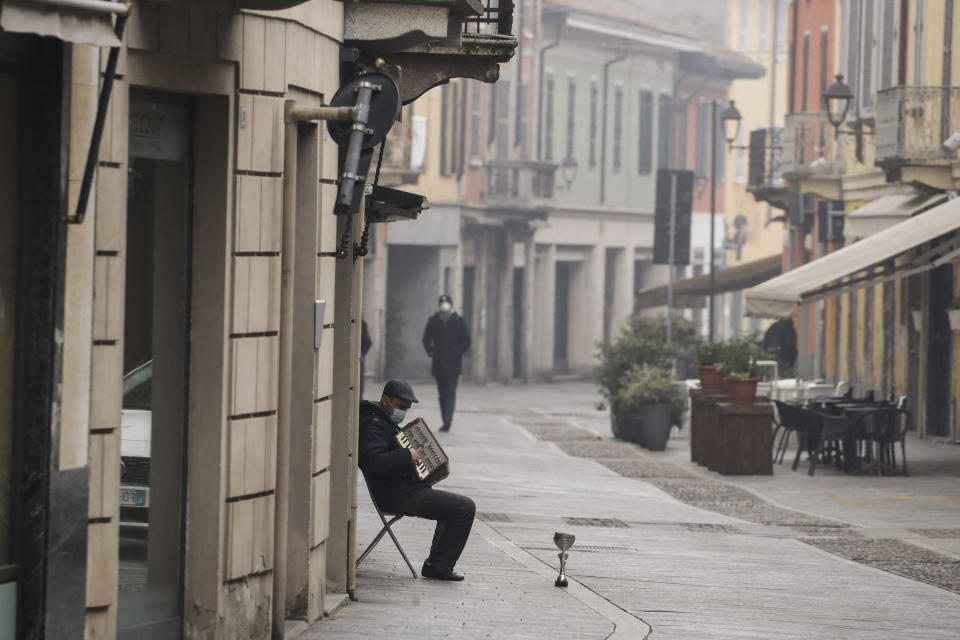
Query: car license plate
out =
(134, 497)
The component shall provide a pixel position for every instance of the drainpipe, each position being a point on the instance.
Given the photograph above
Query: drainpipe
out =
(603, 127)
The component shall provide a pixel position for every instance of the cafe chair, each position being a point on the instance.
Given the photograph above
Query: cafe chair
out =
(386, 530)
(786, 424)
(881, 430)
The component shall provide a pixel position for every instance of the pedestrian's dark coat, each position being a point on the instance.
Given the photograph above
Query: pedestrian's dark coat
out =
(446, 341)
(386, 465)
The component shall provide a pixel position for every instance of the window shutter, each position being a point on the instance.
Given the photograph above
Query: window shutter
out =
(805, 77)
(868, 67)
(645, 141)
(548, 118)
(852, 42)
(918, 45)
(888, 45)
(743, 25)
(824, 72)
(665, 132)
(503, 117)
(617, 128)
(594, 99)
(762, 30)
(703, 140)
(444, 126)
(571, 112)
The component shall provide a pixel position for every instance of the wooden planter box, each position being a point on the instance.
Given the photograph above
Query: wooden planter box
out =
(743, 444)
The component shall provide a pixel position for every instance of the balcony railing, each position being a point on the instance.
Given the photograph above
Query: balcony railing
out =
(765, 150)
(520, 184)
(809, 148)
(496, 18)
(912, 123)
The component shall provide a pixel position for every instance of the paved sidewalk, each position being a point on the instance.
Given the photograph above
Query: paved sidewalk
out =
(675, 549)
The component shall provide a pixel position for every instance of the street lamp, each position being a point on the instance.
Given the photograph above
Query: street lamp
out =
(837, 99)
(730, 117)
(569, 169)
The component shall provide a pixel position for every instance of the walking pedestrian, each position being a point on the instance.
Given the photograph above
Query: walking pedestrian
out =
(446, 338)
(389, 472)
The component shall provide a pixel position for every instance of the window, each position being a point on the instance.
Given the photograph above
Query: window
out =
(744, 11)
(889, 46)
(617, 128)
(781, 29)
(702, 167)
(492, 91)
(805, 74)
(824, 72)
(862, 55)
(762, 29)
(456, 119)
(474, 119)
(503, 117)
(520, 115)
(548, 118)
(444, 129)
(720, 153)
(741, 159)
(682, 136)
(594, 99)
(918, 45)
(645, 141)
(571, 112)
(665, 132)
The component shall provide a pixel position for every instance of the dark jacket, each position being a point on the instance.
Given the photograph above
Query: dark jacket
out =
(385, 464)
(446, 341)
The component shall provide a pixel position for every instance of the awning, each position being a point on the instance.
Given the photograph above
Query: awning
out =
(864, 263)
(81, 21)
(692, 292)
(886, 211)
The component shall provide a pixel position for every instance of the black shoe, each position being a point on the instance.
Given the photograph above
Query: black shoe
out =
(429, 571)
(445, 427)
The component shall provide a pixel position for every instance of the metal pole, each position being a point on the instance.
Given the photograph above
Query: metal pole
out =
(713, 206)
(282, 492)
(673, 237)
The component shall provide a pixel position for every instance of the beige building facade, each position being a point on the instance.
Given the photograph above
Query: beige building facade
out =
(145, 391)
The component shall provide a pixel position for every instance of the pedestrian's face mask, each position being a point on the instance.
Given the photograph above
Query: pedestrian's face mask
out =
(397, 416)
(445, 307)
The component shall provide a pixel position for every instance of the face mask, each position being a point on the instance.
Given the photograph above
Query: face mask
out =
(398, 415)
(445, 307)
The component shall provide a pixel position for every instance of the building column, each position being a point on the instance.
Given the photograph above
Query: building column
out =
(586, 303)
(478, 340)
(623, 290)
(529, 321)
(543, 304)
(506, 328)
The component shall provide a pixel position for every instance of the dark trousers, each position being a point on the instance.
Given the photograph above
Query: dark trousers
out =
(454, 515)
(447, 392)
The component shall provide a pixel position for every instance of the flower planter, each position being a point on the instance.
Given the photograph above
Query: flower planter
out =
(711, 380)
(742, 390)
(655, 425)
(630, 429)
(954, 315)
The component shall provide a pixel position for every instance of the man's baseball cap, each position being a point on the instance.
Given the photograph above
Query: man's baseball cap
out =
(444, 298)
(399, 389)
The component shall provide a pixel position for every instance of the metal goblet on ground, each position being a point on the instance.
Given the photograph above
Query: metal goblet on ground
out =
(563, 541)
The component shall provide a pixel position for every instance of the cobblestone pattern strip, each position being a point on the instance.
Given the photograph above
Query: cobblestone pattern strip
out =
(896, 556)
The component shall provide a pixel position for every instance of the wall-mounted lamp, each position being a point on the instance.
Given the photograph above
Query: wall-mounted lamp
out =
(950, 145)
(837, 102)
(731, 119)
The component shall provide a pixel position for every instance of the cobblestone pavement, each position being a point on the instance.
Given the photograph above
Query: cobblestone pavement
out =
(662, 544)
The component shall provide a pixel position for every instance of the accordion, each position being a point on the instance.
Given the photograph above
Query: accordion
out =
(434, 464)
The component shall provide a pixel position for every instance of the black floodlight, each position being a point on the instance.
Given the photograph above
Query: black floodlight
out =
(393, 205)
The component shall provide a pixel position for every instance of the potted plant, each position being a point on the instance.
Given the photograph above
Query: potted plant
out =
(953, 313)
(708, 355)
(641, 341)
(649, 403)
(738, 365)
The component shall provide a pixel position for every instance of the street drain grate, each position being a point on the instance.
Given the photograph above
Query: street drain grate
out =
(489, 516)
(703, 527)
(937, 533)
(596, 522)
(587, 548)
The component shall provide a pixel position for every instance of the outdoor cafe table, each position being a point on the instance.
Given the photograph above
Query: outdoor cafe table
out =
(852, 411)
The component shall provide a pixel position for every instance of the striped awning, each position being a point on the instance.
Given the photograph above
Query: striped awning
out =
(79, 21)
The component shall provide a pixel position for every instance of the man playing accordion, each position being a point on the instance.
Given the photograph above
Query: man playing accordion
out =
(389, 470)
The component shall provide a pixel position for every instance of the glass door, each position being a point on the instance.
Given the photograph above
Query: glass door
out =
(153, 441)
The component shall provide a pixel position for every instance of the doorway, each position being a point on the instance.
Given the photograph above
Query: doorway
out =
(938, 374)
(561, 318)
(155, 365)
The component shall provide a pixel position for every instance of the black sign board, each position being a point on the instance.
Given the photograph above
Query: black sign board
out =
(830, 221)
(682, 216)
(800, 210)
